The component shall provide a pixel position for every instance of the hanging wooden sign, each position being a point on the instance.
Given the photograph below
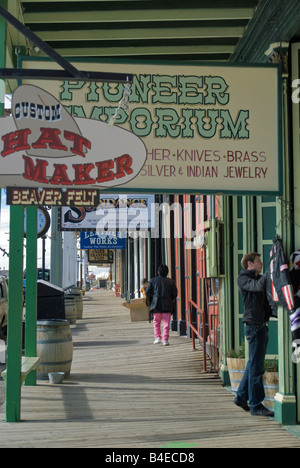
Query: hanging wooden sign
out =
(99, 257)
(42, 145)
(52, 197)
(213, 128)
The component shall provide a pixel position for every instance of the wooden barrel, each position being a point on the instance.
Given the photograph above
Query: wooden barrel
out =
(54, 347)
(76, 292)
(70, 309)
(271, 386)
(236, 369)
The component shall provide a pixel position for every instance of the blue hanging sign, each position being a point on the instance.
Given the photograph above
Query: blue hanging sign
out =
(100, 240)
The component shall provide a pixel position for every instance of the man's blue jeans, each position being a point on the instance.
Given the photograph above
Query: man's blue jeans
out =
(251, 388)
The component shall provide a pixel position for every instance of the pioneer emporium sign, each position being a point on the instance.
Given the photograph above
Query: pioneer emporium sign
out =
(212, 128)
(184, 129)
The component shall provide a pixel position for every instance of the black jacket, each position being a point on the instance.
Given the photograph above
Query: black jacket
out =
(279, 283)
(253, 291)
(282, 286)
(161, 294)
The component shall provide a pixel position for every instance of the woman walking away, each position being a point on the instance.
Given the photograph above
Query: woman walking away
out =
(161, 294)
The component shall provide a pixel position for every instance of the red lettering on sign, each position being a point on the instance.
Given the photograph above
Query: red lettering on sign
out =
(50, 136)
(15, 141)
(79, 143)
(82, 176)
(123, 164)
(36, 172)
(60, 175)
(104, 172)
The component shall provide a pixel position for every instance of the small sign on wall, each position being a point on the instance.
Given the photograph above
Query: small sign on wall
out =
(100, 257)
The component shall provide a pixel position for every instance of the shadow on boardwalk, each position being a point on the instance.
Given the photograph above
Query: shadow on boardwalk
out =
(125, 392)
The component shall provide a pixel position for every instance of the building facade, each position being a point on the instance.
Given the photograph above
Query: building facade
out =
(202, 237)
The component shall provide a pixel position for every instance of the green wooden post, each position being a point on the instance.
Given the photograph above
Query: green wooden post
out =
(226, 307)
(285, 402)
(15, 300)
(15, 309)
(31, 288)
(56, 266)
(3, 31)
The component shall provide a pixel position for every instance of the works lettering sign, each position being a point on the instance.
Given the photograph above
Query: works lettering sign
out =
(104, 240)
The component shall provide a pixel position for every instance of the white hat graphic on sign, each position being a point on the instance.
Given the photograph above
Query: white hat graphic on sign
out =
(41, 110)
(42, 145)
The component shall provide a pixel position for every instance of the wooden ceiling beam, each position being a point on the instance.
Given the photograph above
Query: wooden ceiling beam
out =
(75, 1)
(119, 16)
(143, 51)
(141, 34)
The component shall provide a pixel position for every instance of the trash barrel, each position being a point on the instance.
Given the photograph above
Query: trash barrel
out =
(70, 308)
(50, 301)
(54, 347)
(77, 293)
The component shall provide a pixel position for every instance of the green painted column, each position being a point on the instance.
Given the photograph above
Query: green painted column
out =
(285, 400)
(226, 296)
(56, 267)
(15, 310)
(248, 226)
(31, 288)
(296, 187)
(15, 295)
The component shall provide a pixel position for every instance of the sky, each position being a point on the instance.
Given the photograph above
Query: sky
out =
(4, 237)
(4, 231)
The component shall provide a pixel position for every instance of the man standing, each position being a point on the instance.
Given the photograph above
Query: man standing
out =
(257, 314)
(161, 294)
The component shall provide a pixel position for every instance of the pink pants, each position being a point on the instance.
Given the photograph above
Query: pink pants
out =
(166, 318)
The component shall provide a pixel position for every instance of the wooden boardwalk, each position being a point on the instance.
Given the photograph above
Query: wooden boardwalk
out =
(126, 392)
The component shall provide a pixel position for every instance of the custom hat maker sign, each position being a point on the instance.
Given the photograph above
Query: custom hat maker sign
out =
(42, 145)
(186, 129)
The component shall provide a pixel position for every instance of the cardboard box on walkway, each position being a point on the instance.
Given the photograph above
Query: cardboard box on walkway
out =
(139, 311)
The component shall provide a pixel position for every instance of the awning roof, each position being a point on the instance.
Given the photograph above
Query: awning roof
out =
(201, 30)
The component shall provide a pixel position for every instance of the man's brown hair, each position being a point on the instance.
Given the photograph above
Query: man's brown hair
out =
(249, 257)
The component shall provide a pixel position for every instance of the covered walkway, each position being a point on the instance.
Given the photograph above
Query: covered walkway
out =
(125, 392)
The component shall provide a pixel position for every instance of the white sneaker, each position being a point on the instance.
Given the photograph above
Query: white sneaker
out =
(157, 340)
(166, 343)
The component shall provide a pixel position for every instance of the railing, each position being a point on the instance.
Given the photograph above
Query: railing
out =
(209, 321)
(213, 327)
(195, 331)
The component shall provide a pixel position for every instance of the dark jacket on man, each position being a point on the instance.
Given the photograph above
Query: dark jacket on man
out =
(279, 284)
(253, 291)
(161, 294)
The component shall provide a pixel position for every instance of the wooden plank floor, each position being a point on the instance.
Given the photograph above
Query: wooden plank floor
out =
(126, 392)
